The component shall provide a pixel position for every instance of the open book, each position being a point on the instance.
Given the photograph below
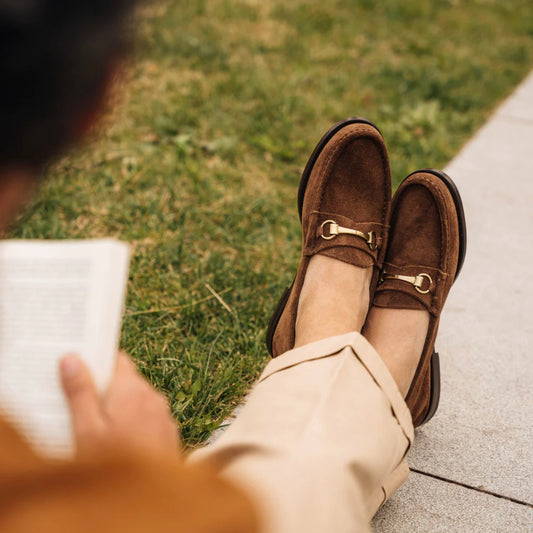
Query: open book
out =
(56, 297)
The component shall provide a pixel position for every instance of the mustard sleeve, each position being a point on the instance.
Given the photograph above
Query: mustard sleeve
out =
(114, 493)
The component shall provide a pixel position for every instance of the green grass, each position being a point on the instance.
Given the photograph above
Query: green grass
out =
(199, 166)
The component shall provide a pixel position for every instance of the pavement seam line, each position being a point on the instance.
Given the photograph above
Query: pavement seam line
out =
(477, 489)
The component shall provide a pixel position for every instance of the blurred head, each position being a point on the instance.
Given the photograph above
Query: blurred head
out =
(56, 60)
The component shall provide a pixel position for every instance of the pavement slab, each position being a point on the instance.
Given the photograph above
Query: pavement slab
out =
(482, 435)
(427, 505)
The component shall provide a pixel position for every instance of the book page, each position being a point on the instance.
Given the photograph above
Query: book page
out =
(56, 297)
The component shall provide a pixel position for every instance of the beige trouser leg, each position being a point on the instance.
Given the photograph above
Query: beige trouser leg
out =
(321, 440)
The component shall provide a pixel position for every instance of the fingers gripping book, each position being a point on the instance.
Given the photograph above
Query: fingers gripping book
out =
(56, 298)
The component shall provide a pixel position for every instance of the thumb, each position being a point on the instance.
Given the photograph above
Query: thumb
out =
(82, 396)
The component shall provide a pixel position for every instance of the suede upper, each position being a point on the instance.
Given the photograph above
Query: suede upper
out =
(349, 184)
(424, 240)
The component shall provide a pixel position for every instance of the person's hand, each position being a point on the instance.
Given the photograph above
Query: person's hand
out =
(129, 415)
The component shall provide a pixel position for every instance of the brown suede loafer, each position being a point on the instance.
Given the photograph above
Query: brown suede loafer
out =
(426, 250)
(344, 205)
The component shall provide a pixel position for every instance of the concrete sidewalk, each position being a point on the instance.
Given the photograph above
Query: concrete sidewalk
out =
(473, 463)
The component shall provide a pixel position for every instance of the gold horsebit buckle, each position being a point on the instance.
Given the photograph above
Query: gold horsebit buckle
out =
(335, 229)
(416, 281)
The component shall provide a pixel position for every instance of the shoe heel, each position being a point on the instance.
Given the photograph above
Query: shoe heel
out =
(435, 388)
(274, 319)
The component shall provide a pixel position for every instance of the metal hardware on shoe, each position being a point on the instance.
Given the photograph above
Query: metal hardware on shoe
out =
(416, 281)
(335, 229)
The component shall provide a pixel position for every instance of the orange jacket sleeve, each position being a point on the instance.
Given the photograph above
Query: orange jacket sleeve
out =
(114, 494)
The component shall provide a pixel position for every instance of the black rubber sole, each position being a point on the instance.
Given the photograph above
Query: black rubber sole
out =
(274, 319)
(434, 397)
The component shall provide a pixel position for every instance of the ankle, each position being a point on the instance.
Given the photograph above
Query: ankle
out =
(398, 335)
(334, 300)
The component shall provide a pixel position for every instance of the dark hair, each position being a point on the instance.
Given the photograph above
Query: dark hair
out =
(56, 57)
